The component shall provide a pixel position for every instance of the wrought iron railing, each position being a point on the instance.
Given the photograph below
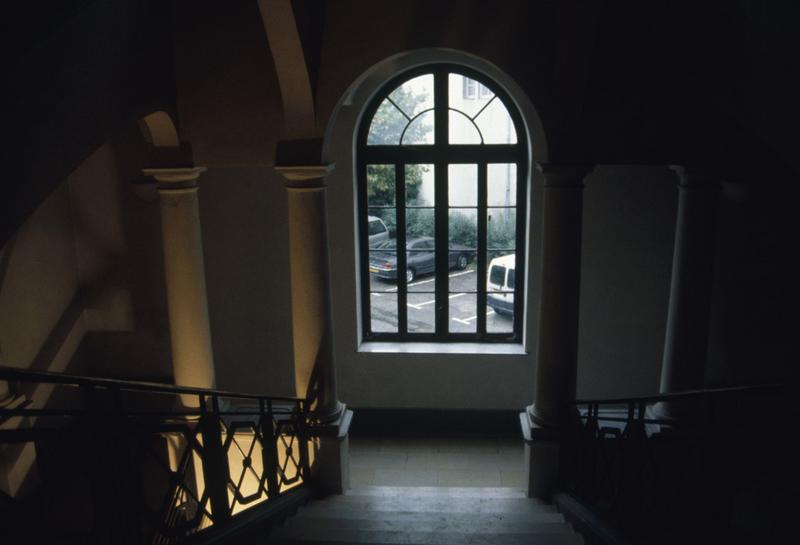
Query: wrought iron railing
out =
(145, 463)
(725, 470)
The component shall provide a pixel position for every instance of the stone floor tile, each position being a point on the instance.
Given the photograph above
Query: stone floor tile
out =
(512, 478)
(360, 476)
(464, 477)
(405, 477)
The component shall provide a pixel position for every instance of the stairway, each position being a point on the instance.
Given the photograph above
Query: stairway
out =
(427, 515)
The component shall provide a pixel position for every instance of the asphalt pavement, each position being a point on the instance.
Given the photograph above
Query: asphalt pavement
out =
(421, 300)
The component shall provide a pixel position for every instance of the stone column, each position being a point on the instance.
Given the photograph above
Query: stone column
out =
(686, 344)
(557, 354)
(312, 325)
(190, 334)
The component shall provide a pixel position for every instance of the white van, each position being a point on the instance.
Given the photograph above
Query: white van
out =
(378, 232)
(500, 284)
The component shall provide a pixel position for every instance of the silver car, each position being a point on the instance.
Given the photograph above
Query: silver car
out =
(378, 232)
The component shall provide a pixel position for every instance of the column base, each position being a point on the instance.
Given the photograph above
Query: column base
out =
(542, 454)
(673, 413)
(330, 471)
(328, 416)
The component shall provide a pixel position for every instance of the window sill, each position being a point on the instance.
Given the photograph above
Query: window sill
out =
(515, 349)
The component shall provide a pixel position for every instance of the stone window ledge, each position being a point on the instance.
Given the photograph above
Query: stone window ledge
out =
(442, 348)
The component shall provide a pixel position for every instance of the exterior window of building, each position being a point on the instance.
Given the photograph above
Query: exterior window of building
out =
(475, 90)
(442, 164)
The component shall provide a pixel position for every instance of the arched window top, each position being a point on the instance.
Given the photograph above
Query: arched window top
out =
(475, 113)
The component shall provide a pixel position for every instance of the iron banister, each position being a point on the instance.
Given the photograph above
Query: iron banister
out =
(688, 394)
(12, 373)
(174, 470)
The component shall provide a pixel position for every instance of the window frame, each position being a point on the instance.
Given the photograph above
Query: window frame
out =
(440, 154)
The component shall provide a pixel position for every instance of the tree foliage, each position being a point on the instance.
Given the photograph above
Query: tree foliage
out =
(386, 127)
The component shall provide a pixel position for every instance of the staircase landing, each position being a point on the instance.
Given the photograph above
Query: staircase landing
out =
(437, 460)
(428, 516)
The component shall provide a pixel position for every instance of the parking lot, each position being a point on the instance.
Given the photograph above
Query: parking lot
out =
(421, 302)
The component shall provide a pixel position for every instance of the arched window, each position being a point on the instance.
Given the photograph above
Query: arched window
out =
(442, 165)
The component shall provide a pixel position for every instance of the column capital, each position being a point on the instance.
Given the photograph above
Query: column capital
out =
(566, 176)
(175, 178)
(304, 177)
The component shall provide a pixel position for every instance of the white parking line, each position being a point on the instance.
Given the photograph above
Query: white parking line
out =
(420, 282)
(418, 306)
(466, 321)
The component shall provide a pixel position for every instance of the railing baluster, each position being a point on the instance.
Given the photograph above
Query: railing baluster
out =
(302, 438)
(215, 463)
(269, 449)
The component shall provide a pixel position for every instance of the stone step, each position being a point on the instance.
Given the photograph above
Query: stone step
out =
(314, 513)
(432, 524)
(438, 491)
(423, 538)
(434, 504)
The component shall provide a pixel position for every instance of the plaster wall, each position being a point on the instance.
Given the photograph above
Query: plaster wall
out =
(243, 214)
(753, 323)
(38, 281)
(626, 266)
(229, 101)
(629, 217)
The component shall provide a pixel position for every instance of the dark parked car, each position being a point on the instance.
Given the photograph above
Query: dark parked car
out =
(420, 258)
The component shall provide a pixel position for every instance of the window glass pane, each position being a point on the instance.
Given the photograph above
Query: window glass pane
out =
(421, 313)
(420, 130)
(502, 184)
(467, 95)
(380, 185)
(463, 316)
(500, 271)
(381, 226)
(379, 283)
(419, 223)
(415, 95)
(497, 277)
(421, 263)
(462, 185)
(383, 262)
(387, 126)
(376, 226)
(420, 185)
(501, 228)
(383, 312)
(463, 228)
(423, 283)
(462, 280)
(462, 129)
(499, 312)
(496, 125)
